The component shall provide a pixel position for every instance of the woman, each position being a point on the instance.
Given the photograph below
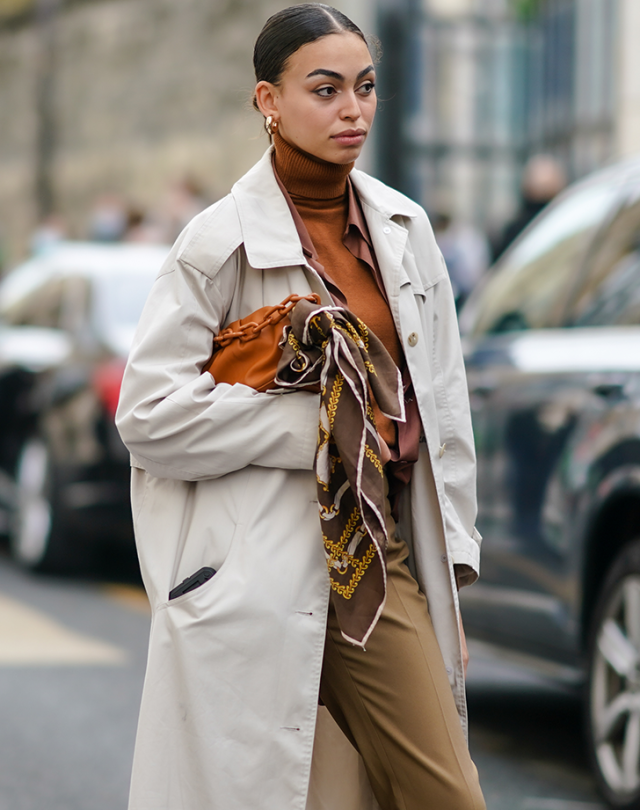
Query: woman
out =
(223, 478)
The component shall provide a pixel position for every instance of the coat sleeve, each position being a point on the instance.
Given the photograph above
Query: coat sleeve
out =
(175, 421)
(459, 459)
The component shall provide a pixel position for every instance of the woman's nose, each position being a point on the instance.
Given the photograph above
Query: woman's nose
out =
(350, 106)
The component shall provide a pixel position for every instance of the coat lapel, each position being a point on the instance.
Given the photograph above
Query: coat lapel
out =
(268, 230)
(389, 240)
(269, 233)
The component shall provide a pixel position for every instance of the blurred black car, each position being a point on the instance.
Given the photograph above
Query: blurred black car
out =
(67, 319)
(552, 347)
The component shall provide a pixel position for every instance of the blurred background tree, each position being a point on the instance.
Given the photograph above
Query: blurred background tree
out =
(526, 10)
(11, 8)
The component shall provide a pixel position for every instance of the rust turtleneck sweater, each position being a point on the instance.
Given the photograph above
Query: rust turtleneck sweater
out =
(321, 193)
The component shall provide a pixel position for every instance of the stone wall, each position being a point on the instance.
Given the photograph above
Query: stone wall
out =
(17, 138)
(143, 92)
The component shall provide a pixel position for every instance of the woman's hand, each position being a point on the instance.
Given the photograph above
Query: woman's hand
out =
(463, 644)
(385, 453)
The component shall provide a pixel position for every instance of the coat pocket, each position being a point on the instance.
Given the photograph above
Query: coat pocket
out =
(209, 537)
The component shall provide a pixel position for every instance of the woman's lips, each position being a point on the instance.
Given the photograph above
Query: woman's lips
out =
(350, 137)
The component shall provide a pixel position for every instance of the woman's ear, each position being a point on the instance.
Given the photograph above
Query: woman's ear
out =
(266, 99)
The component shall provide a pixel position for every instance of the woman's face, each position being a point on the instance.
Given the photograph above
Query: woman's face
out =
(326, 99)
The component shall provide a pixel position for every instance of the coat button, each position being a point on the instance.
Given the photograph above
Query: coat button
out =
(412, 339)
(443, 449)
(386, 230)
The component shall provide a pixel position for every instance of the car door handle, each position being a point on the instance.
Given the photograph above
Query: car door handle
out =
(485, 390)
(609, 390)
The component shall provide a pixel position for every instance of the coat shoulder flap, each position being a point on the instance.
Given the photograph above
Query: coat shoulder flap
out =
(212, 237)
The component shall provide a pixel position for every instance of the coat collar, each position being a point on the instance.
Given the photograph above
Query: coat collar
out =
(268, 230)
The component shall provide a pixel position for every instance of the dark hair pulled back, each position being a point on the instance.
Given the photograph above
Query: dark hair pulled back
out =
(290, 29)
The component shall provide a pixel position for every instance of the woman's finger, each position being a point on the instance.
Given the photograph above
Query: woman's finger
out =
(463, 644)
(385, 453)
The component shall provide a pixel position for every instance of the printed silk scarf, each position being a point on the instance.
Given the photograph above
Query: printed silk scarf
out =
(331, 347)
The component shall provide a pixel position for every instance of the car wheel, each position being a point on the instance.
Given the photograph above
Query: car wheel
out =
(613, 706)
(38, 537)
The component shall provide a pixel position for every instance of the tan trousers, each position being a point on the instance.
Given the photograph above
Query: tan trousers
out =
(394, 703)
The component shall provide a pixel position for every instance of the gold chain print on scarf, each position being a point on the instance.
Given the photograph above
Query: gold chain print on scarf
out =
(331, 350)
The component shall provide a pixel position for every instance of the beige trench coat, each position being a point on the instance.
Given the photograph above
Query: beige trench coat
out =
(222, 476)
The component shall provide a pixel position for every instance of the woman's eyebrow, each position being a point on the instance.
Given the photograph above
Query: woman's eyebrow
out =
(333, 75)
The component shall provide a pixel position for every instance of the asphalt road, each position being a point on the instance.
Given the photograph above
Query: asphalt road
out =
(72, 657)
(526, 738)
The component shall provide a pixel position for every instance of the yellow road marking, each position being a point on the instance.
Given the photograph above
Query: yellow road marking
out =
(30, 637)
(130, 596)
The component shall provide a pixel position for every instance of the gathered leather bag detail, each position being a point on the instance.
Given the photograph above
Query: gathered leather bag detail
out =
(248, 350)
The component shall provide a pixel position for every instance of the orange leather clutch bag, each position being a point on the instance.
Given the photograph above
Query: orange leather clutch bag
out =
(248, 351)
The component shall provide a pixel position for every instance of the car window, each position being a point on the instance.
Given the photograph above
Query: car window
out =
(42, 306)
(609, 293)
(118, 300)
(121, 296)
(75, 297)
(530, 285)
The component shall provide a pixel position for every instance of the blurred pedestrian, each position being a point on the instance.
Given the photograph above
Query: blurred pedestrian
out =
(261, 606)
(543, 178)
(184, 200)
(142, 228)
(466, 253)
(108, 219)
(49, 232)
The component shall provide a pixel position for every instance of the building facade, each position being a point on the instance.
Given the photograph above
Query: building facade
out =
(487, 83)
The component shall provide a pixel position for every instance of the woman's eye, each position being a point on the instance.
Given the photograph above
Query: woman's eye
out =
(325, 92)
(367, 88)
